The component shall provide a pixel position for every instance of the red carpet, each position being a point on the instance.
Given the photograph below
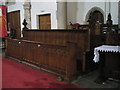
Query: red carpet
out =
(16, 75)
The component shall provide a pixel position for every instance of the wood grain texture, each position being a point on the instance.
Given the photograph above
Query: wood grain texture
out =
(60, 37)
(60, 59)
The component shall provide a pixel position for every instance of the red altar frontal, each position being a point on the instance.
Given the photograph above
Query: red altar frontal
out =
(3, 21)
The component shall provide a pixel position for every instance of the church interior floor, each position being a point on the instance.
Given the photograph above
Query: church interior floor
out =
(88, 80)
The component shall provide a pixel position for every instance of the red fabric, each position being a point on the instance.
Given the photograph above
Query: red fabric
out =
(76, 24)
(3, 22)
(16, 75)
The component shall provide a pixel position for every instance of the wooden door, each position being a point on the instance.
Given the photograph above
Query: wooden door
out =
(96, 17)
(14, 22)
(45, 21)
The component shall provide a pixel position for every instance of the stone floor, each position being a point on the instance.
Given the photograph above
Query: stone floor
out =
(87, 80)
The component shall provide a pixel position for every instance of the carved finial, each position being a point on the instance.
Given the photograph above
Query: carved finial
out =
(109, 21)
(109, 16)
(25, 24)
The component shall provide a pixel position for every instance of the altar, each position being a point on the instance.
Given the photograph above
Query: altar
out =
(108, 58)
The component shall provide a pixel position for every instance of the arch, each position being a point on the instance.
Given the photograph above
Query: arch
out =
(92, 10)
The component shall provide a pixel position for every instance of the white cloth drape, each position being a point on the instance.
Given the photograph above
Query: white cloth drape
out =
(105, 48)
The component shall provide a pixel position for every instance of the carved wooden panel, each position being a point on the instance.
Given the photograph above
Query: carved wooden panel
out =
(60, 59)
(60, 37)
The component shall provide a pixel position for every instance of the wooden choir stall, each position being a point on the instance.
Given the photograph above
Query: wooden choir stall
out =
(53, 50)
(108, 57)
(108, 54)
(57, 51)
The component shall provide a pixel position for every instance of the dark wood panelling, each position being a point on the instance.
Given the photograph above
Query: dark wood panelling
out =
(60, 37)
(60, 59)
(112, 38)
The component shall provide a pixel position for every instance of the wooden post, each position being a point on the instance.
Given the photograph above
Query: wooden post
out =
(71, 62)
(25, 26)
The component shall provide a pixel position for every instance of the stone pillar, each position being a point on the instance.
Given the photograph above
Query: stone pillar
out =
(119, 14)
(27, 12)
(62, 15)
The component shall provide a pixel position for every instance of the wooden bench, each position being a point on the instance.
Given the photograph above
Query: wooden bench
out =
(59, 59)
(60, 37)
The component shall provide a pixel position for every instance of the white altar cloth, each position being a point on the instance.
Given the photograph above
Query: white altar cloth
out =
(105, 48)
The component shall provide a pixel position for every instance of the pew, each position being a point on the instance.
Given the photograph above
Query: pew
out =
(60, 37)
(47, 48)
(58, 59)
(54, 50)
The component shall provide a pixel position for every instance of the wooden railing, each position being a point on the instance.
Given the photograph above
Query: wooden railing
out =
(60, 59)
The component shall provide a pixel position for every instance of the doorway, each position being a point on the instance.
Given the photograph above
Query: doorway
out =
(45, 21)
(96, 20)
(96, 16)
(14, 23)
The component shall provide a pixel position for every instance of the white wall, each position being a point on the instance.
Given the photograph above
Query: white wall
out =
(72, 10)
(83, 8)
(114, 12)
(119, 14)
(62, 15)
(76, 11)
(88, 6)
(37, 8)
